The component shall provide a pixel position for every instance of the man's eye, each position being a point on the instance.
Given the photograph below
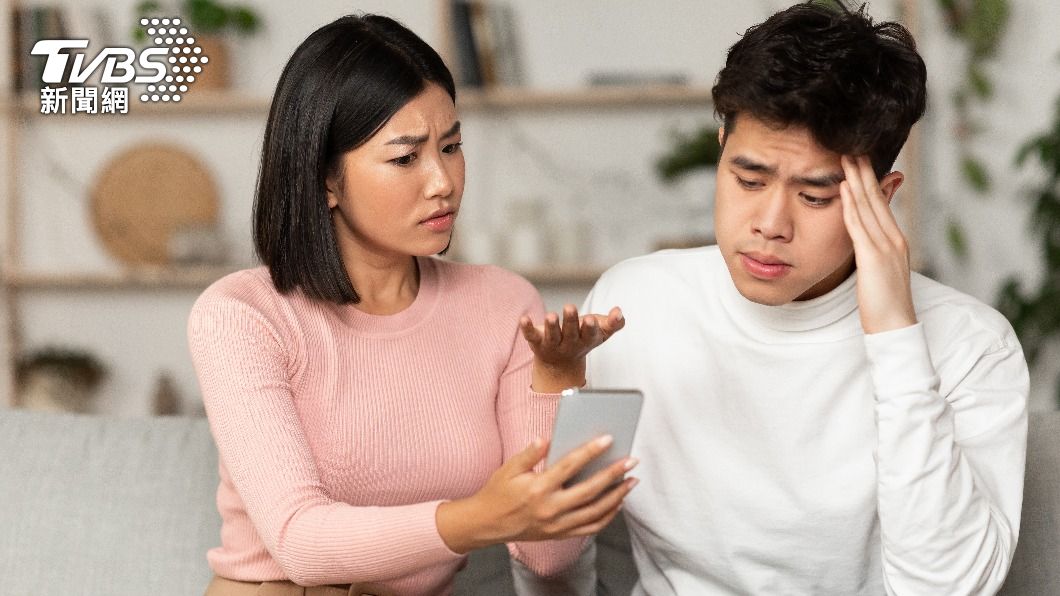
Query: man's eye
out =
(452, 148)
(749, 184)
(404, 160)
(816, 202)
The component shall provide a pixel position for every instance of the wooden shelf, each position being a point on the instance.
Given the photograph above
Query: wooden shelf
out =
(131, 279)
(522, 98)
(562, 275)
(163, 278)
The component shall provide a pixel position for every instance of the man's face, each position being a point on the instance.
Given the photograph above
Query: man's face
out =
(778, 216)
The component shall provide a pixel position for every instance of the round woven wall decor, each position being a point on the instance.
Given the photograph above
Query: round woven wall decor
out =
(144, 195)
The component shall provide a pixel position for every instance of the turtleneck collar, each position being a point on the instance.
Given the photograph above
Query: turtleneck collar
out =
(830, 317)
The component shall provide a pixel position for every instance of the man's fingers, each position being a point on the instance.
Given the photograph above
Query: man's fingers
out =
(852, 218)
(860, 193)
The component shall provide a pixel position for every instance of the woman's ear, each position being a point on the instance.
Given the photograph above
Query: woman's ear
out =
(889, 184)
(333, 188)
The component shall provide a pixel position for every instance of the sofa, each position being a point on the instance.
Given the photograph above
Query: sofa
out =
(112, 507)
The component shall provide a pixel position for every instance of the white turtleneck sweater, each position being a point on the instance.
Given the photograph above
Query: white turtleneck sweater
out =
(784, 451)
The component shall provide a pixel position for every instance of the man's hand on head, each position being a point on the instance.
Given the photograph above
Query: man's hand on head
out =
(885, 299)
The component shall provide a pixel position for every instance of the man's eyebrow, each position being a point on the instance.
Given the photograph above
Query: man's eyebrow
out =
(822, 181)
(420, 139)
(746, 163)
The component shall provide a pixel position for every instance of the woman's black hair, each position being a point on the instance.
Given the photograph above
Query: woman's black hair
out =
(342, 84)
(858, 87)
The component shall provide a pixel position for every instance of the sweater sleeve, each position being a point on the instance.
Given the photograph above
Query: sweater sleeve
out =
(244, 371)
(524, 414)
(949, 469)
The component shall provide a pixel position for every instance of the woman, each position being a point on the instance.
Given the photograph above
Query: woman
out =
(373, 406)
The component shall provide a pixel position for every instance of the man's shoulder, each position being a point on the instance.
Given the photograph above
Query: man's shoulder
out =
(945, 309)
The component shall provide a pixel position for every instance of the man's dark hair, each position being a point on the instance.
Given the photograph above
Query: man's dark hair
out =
(342, 84)
(858, 87)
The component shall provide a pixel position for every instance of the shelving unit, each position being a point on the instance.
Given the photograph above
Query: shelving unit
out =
(17, 282)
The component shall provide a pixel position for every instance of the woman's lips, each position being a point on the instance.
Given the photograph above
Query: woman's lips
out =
(764, 270)
(440, 223)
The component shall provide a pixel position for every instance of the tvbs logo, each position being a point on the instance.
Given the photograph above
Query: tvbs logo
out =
(119, 64)
(167, 67)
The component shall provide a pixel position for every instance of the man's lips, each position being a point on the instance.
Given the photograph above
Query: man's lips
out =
(763, 266)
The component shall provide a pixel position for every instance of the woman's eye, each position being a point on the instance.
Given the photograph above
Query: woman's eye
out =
(405, 160)
(452, 148)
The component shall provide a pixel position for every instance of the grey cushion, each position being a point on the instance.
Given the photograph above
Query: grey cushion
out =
(1036, 566)
(92, 505)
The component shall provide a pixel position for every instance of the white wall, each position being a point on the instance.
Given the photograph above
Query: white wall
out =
(588, 166)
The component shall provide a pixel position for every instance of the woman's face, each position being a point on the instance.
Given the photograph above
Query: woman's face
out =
(398, 194)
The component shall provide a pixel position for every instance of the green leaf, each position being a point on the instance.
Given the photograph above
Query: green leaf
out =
(955, 239)
(206, 16)
(689, 152)
(979, 82)
(986, 26)
(244, 20)
(975, 174)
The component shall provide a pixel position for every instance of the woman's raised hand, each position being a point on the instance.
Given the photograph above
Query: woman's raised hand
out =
(518, 503)
(560, 347)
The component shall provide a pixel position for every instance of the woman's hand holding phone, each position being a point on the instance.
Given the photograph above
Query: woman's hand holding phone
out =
(518, 503)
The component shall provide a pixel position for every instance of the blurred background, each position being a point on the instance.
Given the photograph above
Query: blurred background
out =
(588, 134)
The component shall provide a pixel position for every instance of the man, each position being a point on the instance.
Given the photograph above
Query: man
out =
(817, 419)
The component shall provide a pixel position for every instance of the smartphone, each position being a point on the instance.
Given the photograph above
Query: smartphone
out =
(586, 414)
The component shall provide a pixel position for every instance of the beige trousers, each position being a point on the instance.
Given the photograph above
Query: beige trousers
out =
(220, 586)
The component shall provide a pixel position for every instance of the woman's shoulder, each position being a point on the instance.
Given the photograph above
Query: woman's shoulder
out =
(246, 285)
(245, 293)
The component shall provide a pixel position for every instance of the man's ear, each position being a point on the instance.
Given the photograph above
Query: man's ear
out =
(889, 184)
(721, 136)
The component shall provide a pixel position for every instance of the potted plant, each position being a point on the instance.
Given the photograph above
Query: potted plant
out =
(58, 379)
(689, 152)
(209, 21)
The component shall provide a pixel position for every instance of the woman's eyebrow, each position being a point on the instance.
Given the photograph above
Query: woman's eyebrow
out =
(420, 139)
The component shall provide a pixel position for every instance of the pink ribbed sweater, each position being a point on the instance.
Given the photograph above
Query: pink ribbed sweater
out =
(340, 432)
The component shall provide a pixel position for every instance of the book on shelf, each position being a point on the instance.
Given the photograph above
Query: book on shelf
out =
(486, 44)
(30, 24)
(637, 79)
